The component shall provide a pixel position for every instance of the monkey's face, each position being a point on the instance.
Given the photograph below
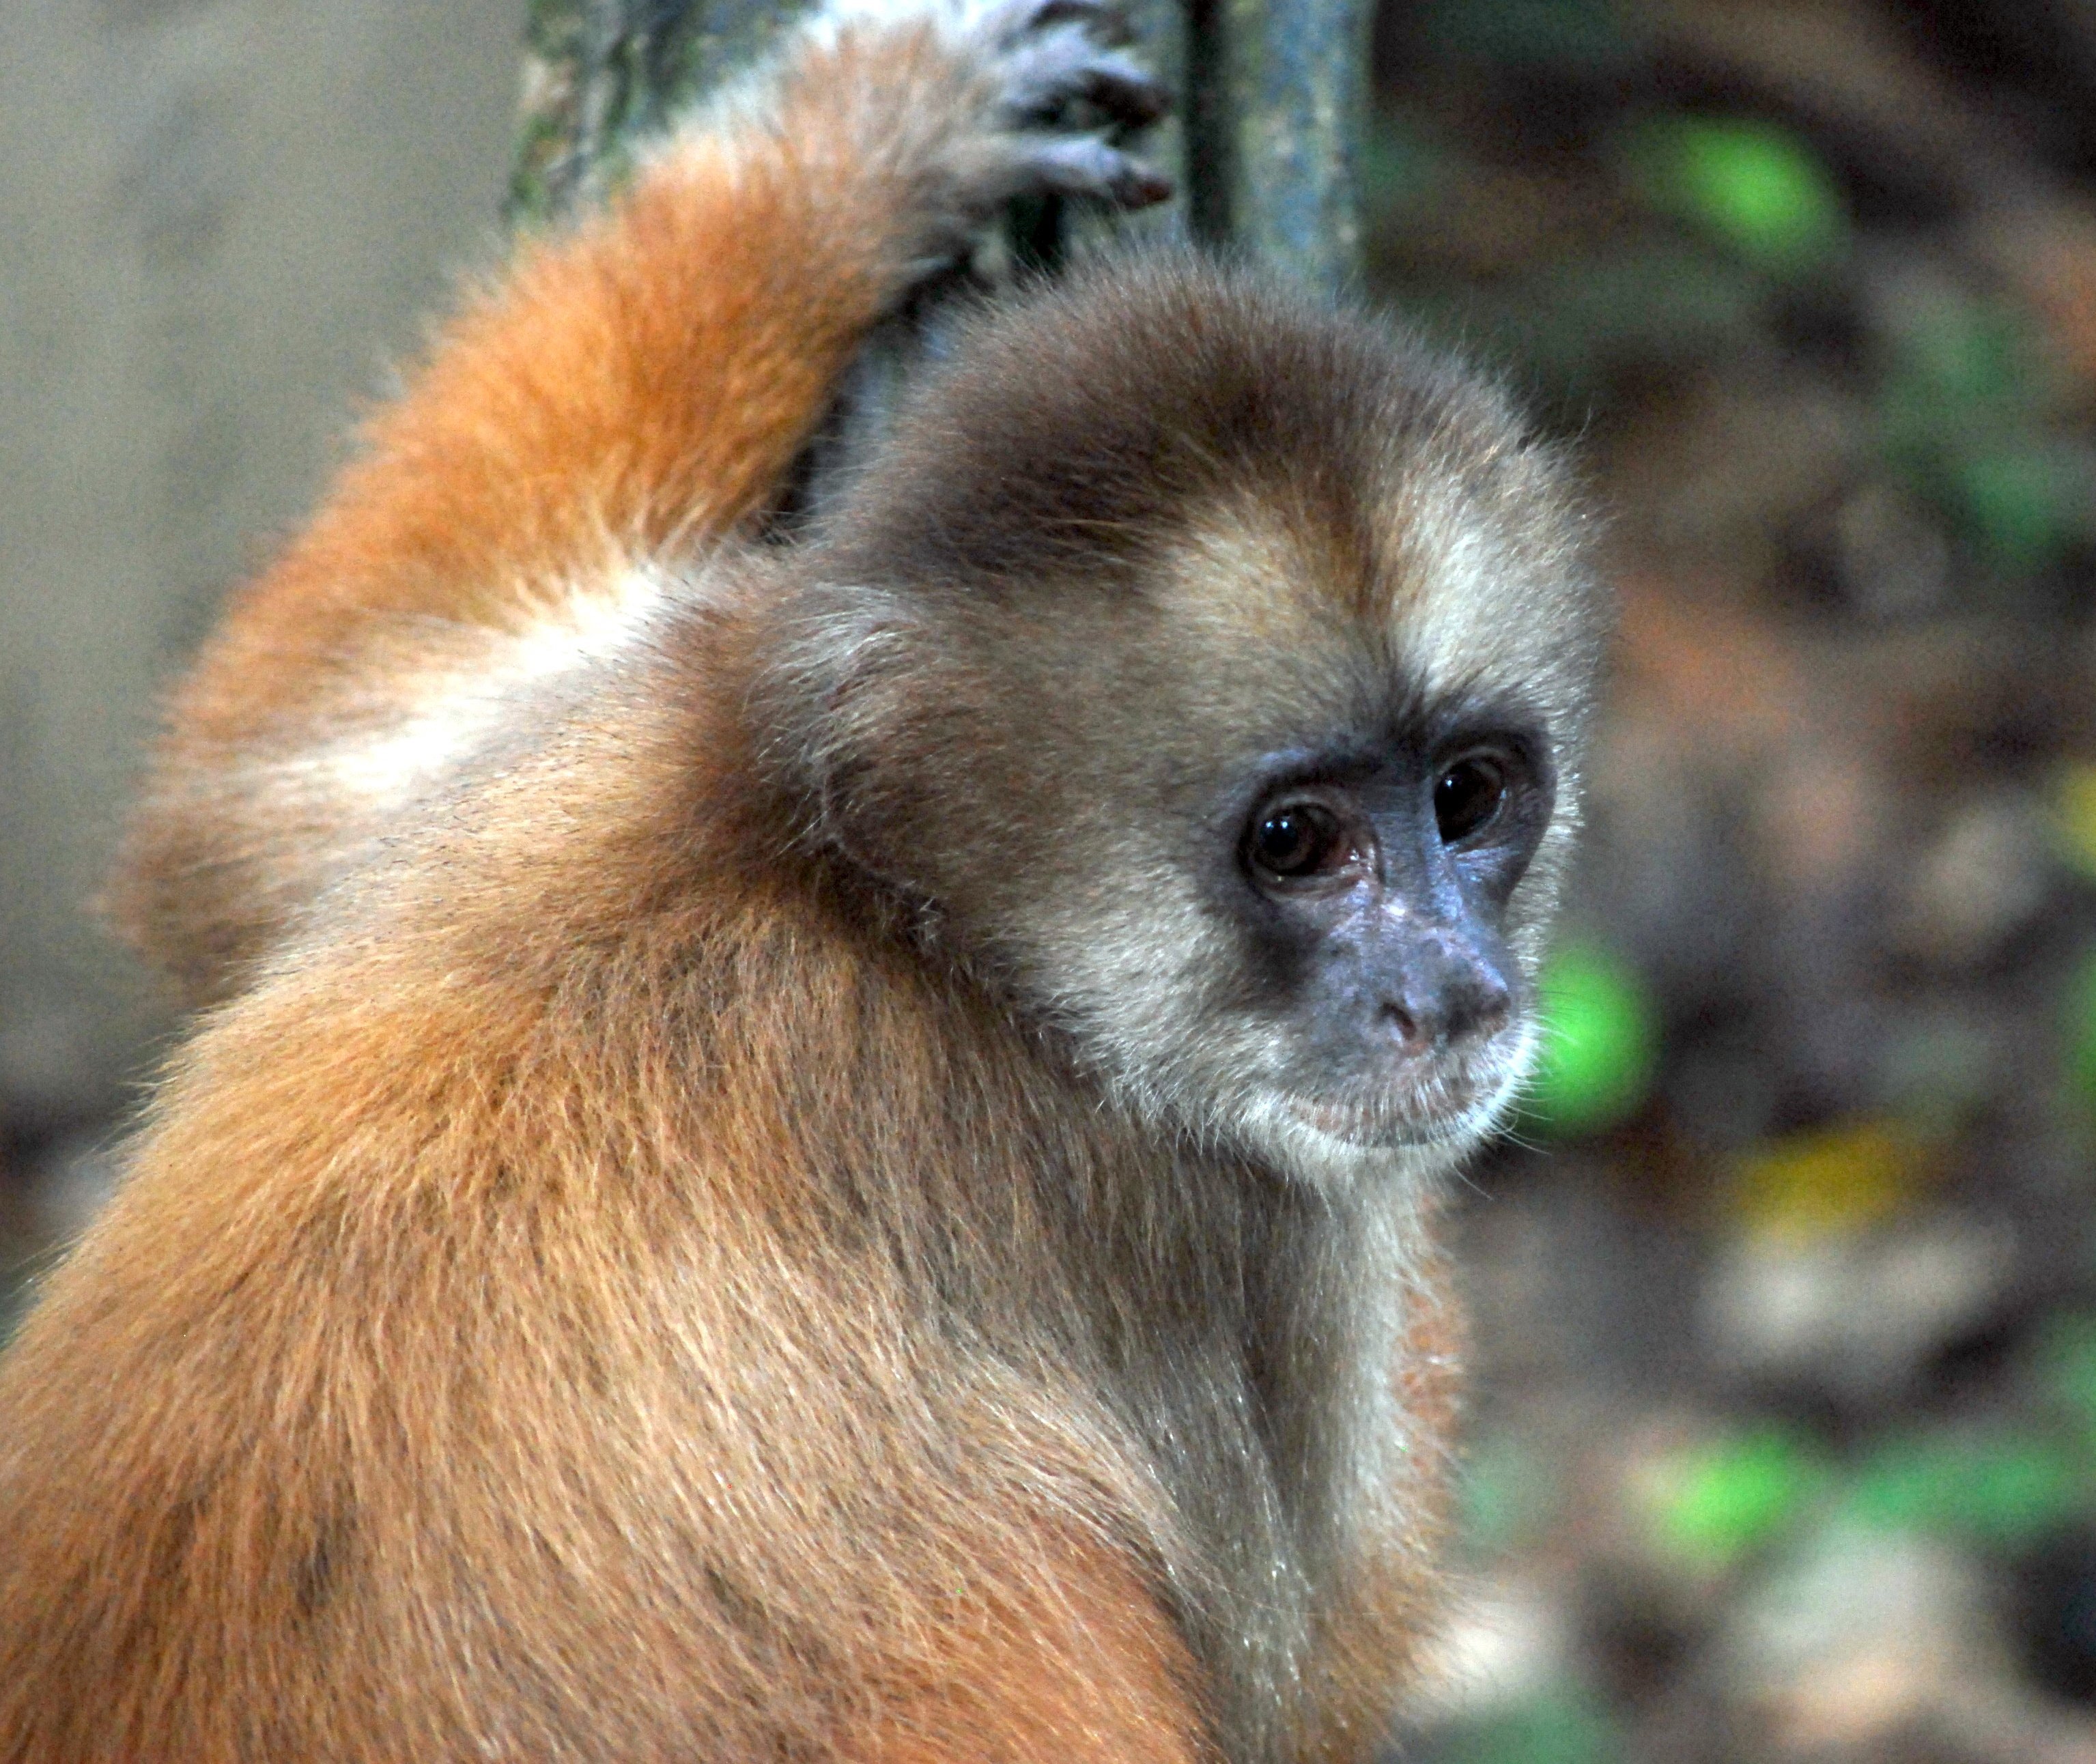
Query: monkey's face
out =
(1367, 895)
(1223, 712)
(1265, 830)
(1272, 847)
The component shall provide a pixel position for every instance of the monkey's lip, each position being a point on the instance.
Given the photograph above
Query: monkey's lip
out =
(1421, 1102)
(1391, 1121)
(1430, 1104)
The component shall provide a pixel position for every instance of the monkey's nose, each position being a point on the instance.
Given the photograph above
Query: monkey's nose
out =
(1445, 997)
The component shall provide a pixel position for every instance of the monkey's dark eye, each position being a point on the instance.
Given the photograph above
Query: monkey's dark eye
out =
(1467, 796)
(1298, 841)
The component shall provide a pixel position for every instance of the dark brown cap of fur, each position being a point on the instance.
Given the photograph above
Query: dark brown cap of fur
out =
(1081, 426)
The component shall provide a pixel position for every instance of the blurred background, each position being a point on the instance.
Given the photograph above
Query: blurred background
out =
(1783, 1444)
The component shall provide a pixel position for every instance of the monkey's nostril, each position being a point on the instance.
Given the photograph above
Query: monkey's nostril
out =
(1494, 1004)
(1478, 1004)
(1415, 1029)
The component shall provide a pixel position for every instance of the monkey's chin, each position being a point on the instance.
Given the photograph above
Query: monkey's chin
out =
(1381, 1128)
(1448, 1115)
(1336, 1150)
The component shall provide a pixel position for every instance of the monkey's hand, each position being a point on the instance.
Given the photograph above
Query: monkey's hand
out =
(930, 115)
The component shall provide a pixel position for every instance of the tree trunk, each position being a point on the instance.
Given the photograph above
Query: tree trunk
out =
(1271, 93)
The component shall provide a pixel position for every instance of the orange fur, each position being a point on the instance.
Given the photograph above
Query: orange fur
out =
(636, 385)
(439, 1205)
(633, 387)
(1123, 1696)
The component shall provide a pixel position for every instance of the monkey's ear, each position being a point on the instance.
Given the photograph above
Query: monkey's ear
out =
(841, 710)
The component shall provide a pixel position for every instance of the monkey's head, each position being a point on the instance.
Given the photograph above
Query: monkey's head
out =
(1212, 669)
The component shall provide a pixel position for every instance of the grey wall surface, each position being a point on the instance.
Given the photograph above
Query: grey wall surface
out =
(221, 221)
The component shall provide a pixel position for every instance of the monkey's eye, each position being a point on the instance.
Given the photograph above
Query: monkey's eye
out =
(1298, 841)
(1468, 796)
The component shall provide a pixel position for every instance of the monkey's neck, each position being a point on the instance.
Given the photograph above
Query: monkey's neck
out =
(1249, 1328)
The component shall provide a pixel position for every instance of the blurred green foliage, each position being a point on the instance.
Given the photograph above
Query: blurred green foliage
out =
(1557, 185)
(1833, 1180)
(1967, 411)
(1403, 167)
(2080, 1027)
(2006, 1488)
(2074, 817)
(1755, 185)
(1571, 324)
(1561, 1726)
(1508, 1495)
(2067, 1373)
(1718, 1501)
(1601, 1042)
(1565, 38)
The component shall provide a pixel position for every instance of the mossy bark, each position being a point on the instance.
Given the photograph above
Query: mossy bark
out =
(1293, 76)
(1262, 146)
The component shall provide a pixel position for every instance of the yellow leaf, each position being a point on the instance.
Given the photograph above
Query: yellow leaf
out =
(1836, 1180)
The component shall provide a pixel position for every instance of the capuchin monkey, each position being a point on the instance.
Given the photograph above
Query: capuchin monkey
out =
(821, 1147)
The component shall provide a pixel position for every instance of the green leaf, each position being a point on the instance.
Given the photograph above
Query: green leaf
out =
(2008, 1490)
(1752, 184)
(1600, 1041)
(1714, 1504)
(1561, 1726)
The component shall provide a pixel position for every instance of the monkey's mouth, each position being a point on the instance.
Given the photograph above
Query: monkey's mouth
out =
(1452, 1100)
(1374, 1126)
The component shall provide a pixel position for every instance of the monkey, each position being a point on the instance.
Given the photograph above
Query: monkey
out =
(822, 1145)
